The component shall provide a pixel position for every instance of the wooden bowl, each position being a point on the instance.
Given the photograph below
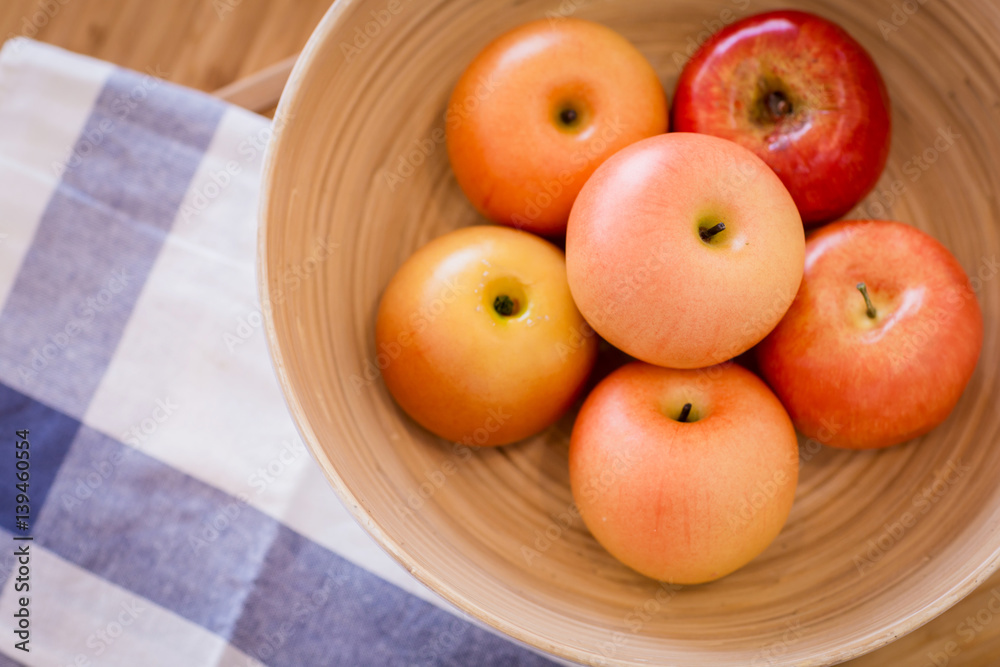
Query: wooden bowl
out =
(358, 164)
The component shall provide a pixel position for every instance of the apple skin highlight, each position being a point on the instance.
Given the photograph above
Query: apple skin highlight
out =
(856, 382)
(691, 502)
(539, 109)
(458, 366)
(647, 280)
(803, 95)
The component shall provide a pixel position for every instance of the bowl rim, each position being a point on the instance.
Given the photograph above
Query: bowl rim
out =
(289, 100)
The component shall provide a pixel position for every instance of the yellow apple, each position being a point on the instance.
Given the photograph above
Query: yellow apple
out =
(481, 339)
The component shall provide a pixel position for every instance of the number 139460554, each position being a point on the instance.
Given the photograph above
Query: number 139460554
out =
(22, 509)
(22, 516)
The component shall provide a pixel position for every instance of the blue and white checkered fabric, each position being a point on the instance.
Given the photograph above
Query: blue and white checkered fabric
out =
(177, 518)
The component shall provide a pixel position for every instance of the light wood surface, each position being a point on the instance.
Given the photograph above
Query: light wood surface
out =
(204, 44)
(493, 531)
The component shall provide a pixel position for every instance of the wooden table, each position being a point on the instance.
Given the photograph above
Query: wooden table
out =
(204, 44)
(210, 44)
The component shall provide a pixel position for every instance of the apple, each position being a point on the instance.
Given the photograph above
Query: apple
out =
(803, 95)
(684, 250)
(683, 475)
(881, 340)
(480, 338)
(539, 109)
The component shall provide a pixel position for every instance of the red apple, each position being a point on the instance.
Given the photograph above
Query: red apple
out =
(865, 372)
(803, 95)
(653, 270)
(539, 109)
(479, 339)
(683, 475)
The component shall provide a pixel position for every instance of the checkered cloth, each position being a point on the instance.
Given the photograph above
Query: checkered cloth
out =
(177, 518)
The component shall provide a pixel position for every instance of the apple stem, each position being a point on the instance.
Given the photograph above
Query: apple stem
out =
(685, 411)
(868, 302)
(567, 116)
(706, 234)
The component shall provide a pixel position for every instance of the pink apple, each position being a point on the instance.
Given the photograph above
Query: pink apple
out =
(683, 475)
(684, 250)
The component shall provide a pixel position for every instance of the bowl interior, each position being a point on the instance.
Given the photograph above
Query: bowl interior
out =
(359, 165)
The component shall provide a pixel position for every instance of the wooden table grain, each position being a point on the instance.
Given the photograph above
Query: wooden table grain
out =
(204, 44)
(209, 44)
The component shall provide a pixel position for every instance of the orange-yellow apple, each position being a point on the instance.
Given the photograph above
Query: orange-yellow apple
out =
(802, 94)
(684, 250)
(881, 340)
(481, 339)
(683, 475)
(539, 109)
